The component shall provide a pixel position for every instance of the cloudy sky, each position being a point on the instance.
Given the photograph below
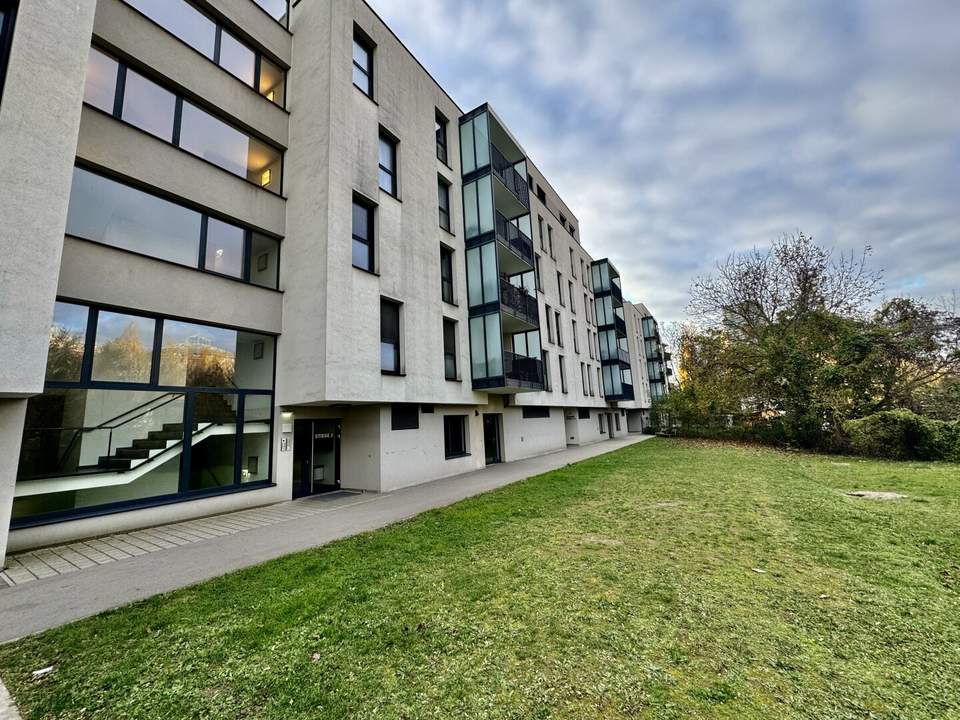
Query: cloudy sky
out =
(679, 131)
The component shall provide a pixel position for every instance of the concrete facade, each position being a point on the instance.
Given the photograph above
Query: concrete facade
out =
(324, 315)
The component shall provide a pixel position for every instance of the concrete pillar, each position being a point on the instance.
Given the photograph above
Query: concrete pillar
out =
(12, 413)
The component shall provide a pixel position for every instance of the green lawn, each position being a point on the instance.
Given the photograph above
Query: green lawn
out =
(625, 586)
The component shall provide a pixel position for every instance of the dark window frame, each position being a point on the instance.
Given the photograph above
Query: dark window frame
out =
(393, 144)
(450, 328)
(370, 47)
(535, 412)
(443, 190)
(370, 208)
(447, 279)
(455, 429)
(397, 342)
(442, 125)
(6, 38)
(405, 416)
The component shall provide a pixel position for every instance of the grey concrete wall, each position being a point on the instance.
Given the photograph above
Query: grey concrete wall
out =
(121, 27)
(39, 118)
(101, 274)
(523, 438)
(109, 143)
(11, 432)
(638, 364)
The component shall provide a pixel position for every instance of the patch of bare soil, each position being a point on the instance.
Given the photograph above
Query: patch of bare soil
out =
(876, 495)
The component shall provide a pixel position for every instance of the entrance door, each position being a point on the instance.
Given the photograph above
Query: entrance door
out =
(316, 458)
(491, 439)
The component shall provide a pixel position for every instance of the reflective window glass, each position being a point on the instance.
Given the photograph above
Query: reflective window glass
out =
(123, 351)
(236, 58)
(148, 106)
(100, 84)
(68, 333)
(225, 244)
(183, 20)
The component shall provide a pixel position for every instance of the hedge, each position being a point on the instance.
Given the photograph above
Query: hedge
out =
(904, 435)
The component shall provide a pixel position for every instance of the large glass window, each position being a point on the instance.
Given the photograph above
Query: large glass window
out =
(107, 211)
(474, 144)
(486, 346)
(478, 207)
(92, 445)
(148, 106)
(443, 202)
(441, 132)
(362, 235)
(389, 336)
(123, 351)
(183, 20)
(237, 59)
(482, 279)
(277, 9)
(68, 334)
(388, 164)
(224, 251)
(100, 85)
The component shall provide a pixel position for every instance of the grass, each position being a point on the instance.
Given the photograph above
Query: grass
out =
(672, 579)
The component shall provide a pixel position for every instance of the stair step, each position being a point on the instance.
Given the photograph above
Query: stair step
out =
(147, 444)
(132, 453)
(170, 427)
(165, 435)
(114, 463)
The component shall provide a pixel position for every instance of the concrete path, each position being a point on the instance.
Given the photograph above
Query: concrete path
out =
(8, 711)
(63, 597)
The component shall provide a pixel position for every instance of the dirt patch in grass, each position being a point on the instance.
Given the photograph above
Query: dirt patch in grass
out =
(882, 496)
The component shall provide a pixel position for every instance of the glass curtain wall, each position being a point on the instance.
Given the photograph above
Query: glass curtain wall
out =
(138, 410)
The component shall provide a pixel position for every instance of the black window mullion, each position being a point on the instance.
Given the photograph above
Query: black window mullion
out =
(238, 444)
(247, 254)
(157, 346)
(120, 90)
(86, 365)
(177, 119)
(256, 71)
(216, 44)
(202, 260)
(189, 407)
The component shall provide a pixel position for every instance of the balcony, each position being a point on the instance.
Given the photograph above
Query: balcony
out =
(511, 179)
(654, 354)
(513, 237)
(523, 369)
(617, 294)
(520, 305)
(625, 394)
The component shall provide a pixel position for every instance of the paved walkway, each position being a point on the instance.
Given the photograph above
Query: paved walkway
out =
(82, 579)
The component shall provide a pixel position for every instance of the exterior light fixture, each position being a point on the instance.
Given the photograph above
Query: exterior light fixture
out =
(266, 177)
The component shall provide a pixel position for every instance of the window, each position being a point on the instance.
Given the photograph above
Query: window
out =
(549, 324)
(602, 430)
(455, 436)
(446, 274)
(536, 262)
(389, 336)
(563, 375)
(583, 276)
(388, 164)
(573, 269)
(586, 307)
(583, 377)
(536, 413)
(573, 304)
(106, 397)
(546, 372)
(362, 235)
(599, 383)
(441, 131)
(404, 416)
(556, 317)
(541, 195)
(576, 339)
(616, 419)
(8, 11)
(563, 302)
(550, 242)
(443, 202)
(543, 245)
(205, 36)
(363, 62)
(486, 346)
(277, 9)
(450, 349)
(583, 413)
(140, 102)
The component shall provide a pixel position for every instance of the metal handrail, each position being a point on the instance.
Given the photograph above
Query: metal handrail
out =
(504, 169)
(514, 238)
(522, 367)
(519, 300)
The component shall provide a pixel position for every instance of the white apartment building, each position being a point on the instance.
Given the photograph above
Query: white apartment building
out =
(253, 252)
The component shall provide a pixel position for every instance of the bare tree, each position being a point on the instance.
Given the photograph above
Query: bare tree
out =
(793, 277)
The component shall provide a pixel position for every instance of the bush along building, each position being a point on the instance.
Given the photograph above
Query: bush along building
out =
(254, 252)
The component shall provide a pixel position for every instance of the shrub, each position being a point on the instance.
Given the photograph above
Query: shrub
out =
(902, 435)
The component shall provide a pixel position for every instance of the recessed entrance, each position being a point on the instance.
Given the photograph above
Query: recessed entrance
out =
(491, 438)
(316, 457)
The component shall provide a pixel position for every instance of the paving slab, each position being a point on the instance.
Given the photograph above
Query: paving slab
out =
(34, 596)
